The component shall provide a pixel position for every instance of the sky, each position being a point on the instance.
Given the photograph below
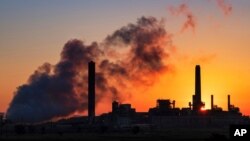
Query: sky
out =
(34, 32)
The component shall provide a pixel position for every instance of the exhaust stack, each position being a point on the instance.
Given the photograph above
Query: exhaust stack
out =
(91, 92)
(228, 103)
(212, 102)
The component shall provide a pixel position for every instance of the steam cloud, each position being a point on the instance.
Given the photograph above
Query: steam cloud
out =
(134, 55)
(183, 9)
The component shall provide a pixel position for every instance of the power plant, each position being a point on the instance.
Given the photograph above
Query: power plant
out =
(165, 116)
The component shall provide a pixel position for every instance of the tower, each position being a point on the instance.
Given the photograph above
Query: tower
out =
(91, 91)
(197, 103)
(228, 103)
(198, 83)
(212, 102)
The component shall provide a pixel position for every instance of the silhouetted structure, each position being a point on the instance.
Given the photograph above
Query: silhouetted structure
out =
(121, 115)
(214, 108)
(115, 106)
(163, 118)
(197, 103)
(166, 115)
(91, 91)
(1, 118)
(122, 109)
(173, 103)
(231, 108)
(212, 102)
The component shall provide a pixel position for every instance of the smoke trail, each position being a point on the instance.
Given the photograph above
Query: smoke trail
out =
(50, 94)
(60, 90)
(147, 42)
(226, 8)
(183, 9)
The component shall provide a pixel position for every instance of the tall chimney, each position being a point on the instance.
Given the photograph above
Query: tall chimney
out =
(212, 102)
(228, 103)
(198, 83)
(91, 91)
(197, 104)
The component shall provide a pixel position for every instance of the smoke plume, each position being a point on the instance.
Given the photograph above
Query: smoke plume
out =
(225, 7)
(184, 10)
(133, 56)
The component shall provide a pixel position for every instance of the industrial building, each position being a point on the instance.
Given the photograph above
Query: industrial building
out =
(166, 115)
(163, 119)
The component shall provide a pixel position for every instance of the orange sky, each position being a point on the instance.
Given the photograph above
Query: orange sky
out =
(220, 44)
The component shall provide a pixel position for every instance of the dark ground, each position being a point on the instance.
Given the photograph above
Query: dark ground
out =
(176, 134)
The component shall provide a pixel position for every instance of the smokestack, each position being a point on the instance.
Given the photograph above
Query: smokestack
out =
(174, 104)
(212, 102)
(91, 91)
(198, 83)
(228, 103)
(197, 104)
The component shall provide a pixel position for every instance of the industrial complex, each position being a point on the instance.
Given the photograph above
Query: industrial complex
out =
(165, 116)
